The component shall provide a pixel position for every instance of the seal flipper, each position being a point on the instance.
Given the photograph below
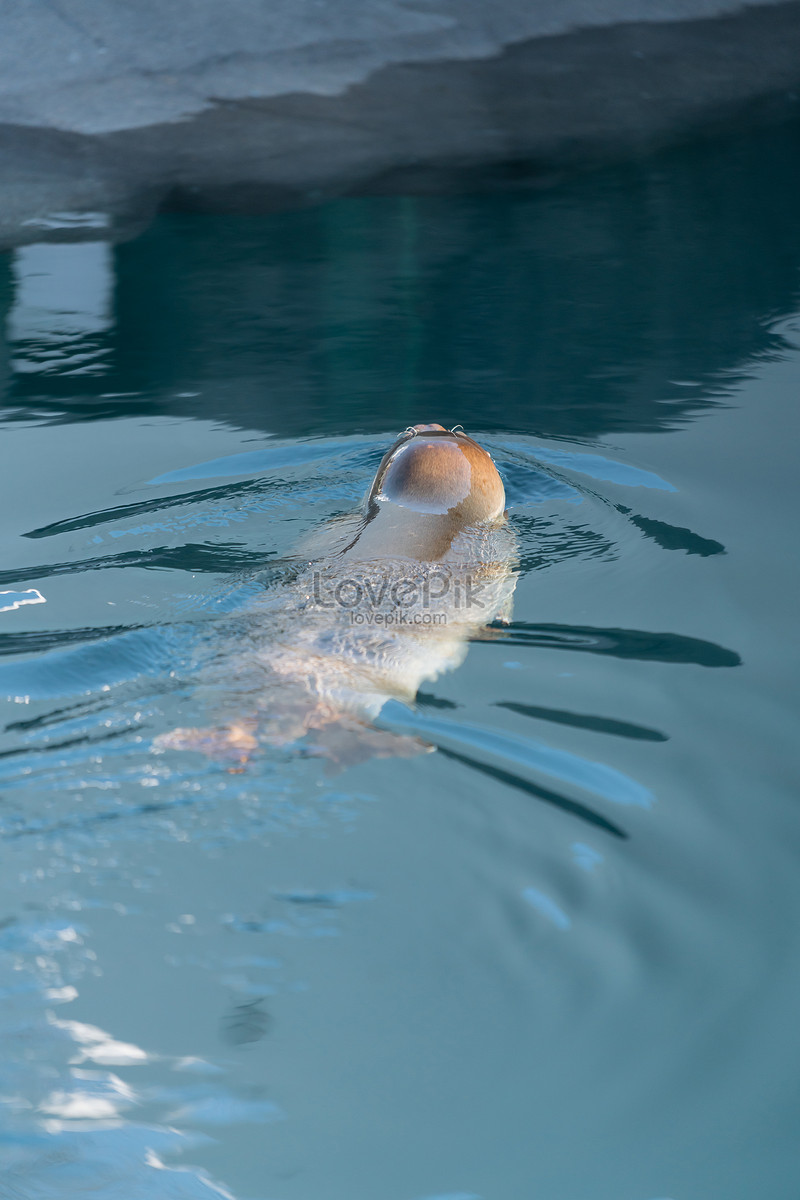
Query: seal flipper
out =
(233, 743)
(347, 742)
(343, 742)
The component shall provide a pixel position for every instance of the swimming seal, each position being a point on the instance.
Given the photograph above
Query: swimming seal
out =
(380, 600)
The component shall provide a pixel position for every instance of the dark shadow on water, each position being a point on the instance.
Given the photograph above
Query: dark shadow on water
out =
(124, 512)
(510, 779)
(69, 744)
(621, 643)
(673, 537)
(55, 715)
(245, 1023)
(583, 721)
(192, 557)
(428, 700)
(39, 828)
(37, 641)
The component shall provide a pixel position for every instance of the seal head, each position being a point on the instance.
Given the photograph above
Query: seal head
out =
(433, 470)
(432, 484)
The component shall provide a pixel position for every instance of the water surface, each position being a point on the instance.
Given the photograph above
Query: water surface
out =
(558, 957)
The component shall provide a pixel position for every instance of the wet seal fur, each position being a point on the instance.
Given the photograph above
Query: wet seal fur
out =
(383, 599)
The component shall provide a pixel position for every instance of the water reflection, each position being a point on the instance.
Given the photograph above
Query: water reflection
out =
(547, 906)
(62, 309)
(627, 299)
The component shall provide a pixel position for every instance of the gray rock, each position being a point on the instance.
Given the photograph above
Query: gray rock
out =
(113, 109)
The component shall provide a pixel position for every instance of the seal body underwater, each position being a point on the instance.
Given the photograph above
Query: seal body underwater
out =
(382, 599)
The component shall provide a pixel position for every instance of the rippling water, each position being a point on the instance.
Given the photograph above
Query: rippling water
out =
(556, 958)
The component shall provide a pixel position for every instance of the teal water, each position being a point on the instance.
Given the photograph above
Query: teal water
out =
(558, 957)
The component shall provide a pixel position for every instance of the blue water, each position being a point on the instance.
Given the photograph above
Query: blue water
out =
(557, 957)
